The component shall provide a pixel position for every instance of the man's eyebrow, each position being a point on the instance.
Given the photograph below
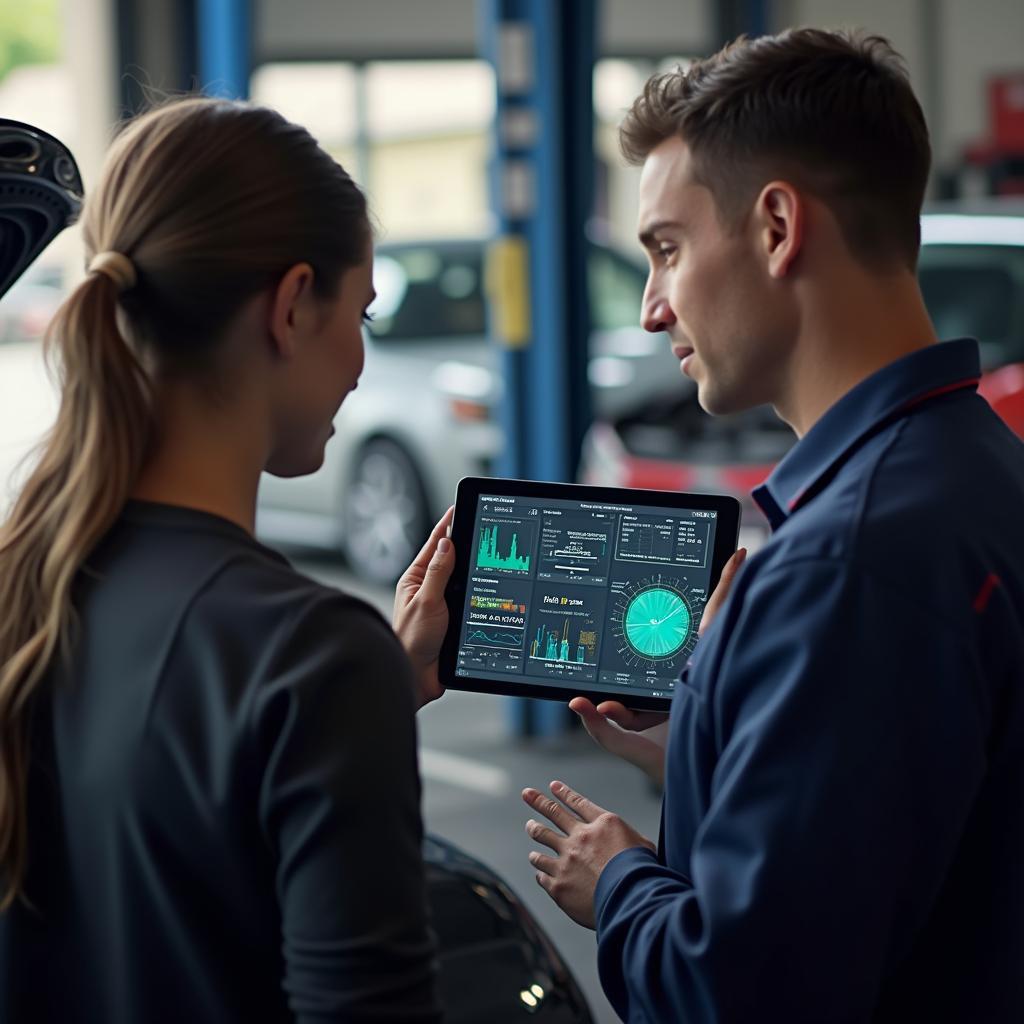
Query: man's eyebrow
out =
(647, 234)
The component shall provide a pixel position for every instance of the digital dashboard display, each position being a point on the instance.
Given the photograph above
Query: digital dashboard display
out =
(569, 592)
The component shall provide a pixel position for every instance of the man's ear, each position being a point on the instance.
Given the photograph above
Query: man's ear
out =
(780, 214)
(288, 304)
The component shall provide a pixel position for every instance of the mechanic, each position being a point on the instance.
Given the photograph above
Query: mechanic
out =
(842, 834)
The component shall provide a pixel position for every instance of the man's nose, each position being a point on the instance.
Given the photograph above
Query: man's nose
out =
(655, 314)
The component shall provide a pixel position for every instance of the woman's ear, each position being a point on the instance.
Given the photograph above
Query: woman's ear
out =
(779, 210)
(288, 305)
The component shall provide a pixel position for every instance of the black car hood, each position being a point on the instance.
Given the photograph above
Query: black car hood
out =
(40, 195)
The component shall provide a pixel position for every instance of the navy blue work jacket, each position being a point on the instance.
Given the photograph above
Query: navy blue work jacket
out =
(843, 830)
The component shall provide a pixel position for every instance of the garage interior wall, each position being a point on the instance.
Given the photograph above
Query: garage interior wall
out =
(318, 29)
(952, 48)
(977, 40)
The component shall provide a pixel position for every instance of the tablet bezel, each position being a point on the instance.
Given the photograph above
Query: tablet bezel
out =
(469, 490)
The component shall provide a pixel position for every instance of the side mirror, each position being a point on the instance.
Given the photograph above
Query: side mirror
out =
(40, 195)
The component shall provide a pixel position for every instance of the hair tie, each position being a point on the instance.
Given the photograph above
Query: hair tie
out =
(117, 267)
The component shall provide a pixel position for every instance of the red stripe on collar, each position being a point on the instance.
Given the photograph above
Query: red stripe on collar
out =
(967, 382)
(913, 403)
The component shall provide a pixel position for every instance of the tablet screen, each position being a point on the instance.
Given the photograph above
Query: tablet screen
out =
(593, 596)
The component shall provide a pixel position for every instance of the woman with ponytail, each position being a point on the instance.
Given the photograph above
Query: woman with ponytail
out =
(209, 802)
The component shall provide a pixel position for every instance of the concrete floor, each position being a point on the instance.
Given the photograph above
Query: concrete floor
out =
(473, 772)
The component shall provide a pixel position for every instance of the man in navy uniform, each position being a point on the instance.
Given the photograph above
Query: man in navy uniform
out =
(843, 832)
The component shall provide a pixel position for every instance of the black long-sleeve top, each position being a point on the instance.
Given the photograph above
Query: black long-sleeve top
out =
(223, 798)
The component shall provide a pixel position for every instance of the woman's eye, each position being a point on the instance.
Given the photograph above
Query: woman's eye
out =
(368, 318)
(665, 251)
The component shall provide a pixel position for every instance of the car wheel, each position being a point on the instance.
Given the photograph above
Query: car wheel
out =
(385, 510)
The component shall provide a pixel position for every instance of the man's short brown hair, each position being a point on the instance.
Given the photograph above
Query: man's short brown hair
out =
(833, 112)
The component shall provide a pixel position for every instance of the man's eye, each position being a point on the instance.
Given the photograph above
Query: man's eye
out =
(666, 251)
(368, 318)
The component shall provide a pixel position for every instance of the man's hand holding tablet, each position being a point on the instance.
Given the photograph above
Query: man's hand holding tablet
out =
(639, 736)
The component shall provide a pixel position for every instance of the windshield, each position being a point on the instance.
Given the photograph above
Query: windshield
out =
(977, 291)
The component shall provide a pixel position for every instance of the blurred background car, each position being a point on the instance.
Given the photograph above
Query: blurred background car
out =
(971, 271)
(423, 415)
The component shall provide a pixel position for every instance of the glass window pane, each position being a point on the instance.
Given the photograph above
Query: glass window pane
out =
(616, 288)
(977, 291)
(426, 292)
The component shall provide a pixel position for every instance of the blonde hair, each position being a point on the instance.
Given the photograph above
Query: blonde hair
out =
(208, 202)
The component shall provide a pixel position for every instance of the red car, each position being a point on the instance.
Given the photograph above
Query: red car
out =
(972, 276)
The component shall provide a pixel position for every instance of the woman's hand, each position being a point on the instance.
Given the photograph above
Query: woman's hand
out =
(639, 737)
(421, 615)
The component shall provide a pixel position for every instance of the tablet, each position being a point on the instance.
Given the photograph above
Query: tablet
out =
(562, 590)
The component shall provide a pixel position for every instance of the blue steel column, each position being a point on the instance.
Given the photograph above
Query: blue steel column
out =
(224, 28)
(758, 17)
(542, 182)
(740, 17)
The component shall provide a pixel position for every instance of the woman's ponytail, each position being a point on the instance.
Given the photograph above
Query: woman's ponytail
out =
(203, 204)
(86, 470)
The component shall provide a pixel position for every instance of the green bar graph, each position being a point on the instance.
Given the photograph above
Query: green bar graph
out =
(488, 555)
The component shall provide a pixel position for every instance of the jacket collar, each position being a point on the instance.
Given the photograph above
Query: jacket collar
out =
(887, 395)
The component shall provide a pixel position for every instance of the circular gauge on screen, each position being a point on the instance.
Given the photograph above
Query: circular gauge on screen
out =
(654, 622)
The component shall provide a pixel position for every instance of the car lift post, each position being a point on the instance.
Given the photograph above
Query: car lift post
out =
(224, 29)
(541, 189)
(732, 18)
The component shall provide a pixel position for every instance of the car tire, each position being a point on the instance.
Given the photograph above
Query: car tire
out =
(385, 512)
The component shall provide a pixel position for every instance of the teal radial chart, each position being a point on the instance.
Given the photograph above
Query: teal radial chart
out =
(657, 622)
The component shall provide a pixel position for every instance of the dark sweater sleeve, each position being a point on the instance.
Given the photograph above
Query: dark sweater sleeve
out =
(339, 806)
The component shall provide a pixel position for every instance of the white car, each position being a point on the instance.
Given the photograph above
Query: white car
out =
(423, 414)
